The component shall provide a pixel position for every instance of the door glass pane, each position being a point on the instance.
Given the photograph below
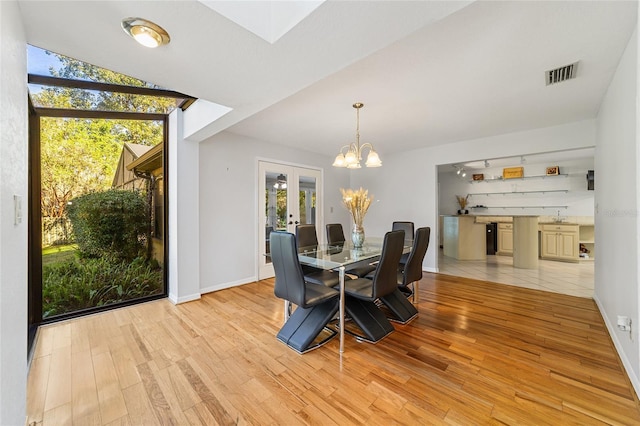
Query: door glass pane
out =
(307, 199)
(275, 206)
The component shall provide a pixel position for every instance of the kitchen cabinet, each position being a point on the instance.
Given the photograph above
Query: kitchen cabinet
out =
(587, 239)
(560, 242)
(505, 239)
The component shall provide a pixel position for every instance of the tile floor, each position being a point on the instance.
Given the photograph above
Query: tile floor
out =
(574, 279)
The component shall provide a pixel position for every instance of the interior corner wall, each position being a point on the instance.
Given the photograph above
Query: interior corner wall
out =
(13, 236)
(228, 203)
(617, 205)
(183, 233)
(406, 187)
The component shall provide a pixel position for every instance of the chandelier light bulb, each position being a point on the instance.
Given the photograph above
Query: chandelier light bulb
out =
(351, 157)
(339, 161)
(373, 160)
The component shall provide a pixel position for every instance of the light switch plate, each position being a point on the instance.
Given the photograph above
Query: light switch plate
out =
(17, 209)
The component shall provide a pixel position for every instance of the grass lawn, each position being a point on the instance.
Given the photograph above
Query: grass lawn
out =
(61, 253)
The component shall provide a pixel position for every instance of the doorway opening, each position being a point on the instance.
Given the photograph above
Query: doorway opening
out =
(288, 196)
(554, 187)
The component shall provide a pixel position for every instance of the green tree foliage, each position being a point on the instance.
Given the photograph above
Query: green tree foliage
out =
(79, 156)
(111, 223)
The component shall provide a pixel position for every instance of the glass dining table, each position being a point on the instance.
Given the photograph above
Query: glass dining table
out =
(338, 257)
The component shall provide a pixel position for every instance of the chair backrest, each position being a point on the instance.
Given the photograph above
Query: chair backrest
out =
(335, 234)
(413, 267)
(407, 227)
(306, 236)
(290, 283)
(385, 279)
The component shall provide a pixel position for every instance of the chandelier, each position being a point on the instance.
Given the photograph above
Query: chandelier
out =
(353, 156)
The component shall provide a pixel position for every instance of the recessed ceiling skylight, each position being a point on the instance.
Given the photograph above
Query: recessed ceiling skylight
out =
(269, 20)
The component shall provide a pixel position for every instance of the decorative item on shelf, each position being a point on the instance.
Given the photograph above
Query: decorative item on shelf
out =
(512, 172)
(552, 171)
(462, 202)
(352, 157)
(478, 176)
(357, 203)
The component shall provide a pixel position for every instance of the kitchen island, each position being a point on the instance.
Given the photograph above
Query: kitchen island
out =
(463, 238)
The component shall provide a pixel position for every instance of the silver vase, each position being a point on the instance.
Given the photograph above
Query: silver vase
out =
(357, 236)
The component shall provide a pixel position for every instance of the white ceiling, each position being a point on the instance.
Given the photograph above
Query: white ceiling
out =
(428, 72)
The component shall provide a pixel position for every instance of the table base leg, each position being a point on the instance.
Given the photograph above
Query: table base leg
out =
(341, 319)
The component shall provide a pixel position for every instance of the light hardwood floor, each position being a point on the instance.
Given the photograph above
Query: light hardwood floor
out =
(478, 353)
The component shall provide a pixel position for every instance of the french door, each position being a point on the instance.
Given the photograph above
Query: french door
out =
(288, 196)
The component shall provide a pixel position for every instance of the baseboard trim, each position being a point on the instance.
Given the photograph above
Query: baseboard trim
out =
(222, 286)
(184, 299)
(635, 382)
(433, 270)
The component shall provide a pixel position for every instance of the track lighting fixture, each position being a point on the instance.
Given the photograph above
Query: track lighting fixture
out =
(460, 170)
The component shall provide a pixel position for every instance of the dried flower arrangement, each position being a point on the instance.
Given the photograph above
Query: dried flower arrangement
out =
(357, 202)
(462, 201)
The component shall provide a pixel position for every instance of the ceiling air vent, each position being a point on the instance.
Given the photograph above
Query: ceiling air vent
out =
(561, 74)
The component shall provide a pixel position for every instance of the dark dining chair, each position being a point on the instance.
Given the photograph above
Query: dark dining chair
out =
(335, 236)
(335, 233)
(307, 240)
(316, 304)
(408, 228)
(362, 293)
(399, 306)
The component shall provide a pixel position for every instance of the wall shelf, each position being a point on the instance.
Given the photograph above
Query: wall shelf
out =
(520, 192)
(500, 179)
(518, 207)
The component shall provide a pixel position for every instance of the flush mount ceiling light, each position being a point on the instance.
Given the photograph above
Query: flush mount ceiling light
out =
(145, 32)
(351, 159)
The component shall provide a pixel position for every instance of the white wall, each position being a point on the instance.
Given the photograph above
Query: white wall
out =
(13, 238)
(183, 233)
(228, 198)
(406, 187)
(577, 198)
(617, 221)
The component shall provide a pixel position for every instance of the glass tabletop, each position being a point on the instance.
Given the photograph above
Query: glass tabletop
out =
(333, 256)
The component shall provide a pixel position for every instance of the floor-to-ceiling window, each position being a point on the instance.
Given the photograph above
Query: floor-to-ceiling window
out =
(97, 188)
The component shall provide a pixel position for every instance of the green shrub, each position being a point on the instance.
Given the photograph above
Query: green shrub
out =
(79, 284)
(110, 223)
